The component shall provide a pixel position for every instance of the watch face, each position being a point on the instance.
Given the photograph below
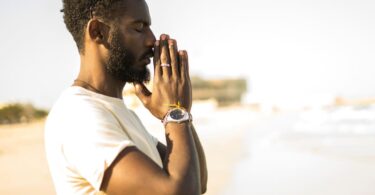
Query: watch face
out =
(177, 114)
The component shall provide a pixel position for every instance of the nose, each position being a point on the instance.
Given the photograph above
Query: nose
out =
(150, 40)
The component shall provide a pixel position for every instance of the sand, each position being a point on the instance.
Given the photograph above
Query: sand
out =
(23, 165)
(222, 160)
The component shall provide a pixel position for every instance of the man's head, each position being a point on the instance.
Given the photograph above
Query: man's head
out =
(118, 31)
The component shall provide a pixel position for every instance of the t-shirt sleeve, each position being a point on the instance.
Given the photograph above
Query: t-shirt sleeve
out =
(94, 140)
(153, 138)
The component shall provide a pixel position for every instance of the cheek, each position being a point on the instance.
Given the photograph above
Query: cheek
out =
(134, 41)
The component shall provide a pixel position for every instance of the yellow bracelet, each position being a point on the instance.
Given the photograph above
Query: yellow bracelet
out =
(178, 105)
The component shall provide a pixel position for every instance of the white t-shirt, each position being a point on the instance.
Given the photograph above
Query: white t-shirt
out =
(84, 133)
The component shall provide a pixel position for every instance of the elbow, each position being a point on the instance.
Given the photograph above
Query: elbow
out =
(185, 188)
(203, 189)
(204, 183)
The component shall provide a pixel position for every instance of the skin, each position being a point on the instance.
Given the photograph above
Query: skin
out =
(183, 157)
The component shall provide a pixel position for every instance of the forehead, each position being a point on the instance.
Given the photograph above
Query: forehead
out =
(135, 11)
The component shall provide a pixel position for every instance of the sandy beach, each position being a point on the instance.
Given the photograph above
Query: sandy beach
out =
(24, 170)
(23, 165)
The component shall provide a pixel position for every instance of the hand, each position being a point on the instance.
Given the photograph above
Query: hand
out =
(171, 84)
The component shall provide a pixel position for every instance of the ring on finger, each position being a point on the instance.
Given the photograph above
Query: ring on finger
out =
(165, 65)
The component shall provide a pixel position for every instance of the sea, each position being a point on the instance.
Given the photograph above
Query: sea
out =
(320, 151)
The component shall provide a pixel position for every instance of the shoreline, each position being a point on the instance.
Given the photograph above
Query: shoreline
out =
(223, 160)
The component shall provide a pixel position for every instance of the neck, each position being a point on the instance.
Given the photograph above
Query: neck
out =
(94, 77)
(104, 87)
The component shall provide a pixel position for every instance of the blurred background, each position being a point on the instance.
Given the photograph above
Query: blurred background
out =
(284, 96)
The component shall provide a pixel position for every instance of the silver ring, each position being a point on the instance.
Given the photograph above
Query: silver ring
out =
(165, 65)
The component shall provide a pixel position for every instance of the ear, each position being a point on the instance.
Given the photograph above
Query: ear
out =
(97, 31)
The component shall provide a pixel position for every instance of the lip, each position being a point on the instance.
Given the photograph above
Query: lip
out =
(147, 56)
(150, 55)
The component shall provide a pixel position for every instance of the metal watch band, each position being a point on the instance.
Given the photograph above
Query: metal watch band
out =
(165, 119)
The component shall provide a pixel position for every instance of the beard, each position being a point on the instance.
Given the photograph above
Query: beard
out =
(121, 62)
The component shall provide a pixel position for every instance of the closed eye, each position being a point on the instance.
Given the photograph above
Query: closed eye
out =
(139, 27)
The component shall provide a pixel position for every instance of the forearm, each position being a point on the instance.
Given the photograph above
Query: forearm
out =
(202, 160)
(181, 160)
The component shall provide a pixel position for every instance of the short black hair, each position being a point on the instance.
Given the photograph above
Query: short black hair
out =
(77, 14)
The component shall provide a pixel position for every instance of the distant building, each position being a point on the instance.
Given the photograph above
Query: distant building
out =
(224, 91)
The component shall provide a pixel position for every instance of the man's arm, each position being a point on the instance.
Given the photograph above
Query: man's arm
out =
(202, 160)
(201, 156)
(135, 173)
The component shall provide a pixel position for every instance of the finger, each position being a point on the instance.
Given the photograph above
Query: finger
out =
(157, 68)
(164, 57)
(142, 93)
(186, 58)
(174, 57)
(184, 65)
(187, 73)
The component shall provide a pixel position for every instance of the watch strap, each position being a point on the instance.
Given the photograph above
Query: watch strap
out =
(168, 119)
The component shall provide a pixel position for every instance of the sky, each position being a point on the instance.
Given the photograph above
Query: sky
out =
(287, 49)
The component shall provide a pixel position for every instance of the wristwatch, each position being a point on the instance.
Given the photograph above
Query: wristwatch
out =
(177, 115)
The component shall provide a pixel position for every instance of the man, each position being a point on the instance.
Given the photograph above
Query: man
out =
(94, 143)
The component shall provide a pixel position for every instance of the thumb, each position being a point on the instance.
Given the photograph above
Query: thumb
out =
(142, 93)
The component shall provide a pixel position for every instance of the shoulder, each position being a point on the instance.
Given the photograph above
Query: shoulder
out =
(77, 109)
(76, 101)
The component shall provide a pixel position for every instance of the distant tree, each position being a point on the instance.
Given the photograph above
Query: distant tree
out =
(39, 114)
(17, 113)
